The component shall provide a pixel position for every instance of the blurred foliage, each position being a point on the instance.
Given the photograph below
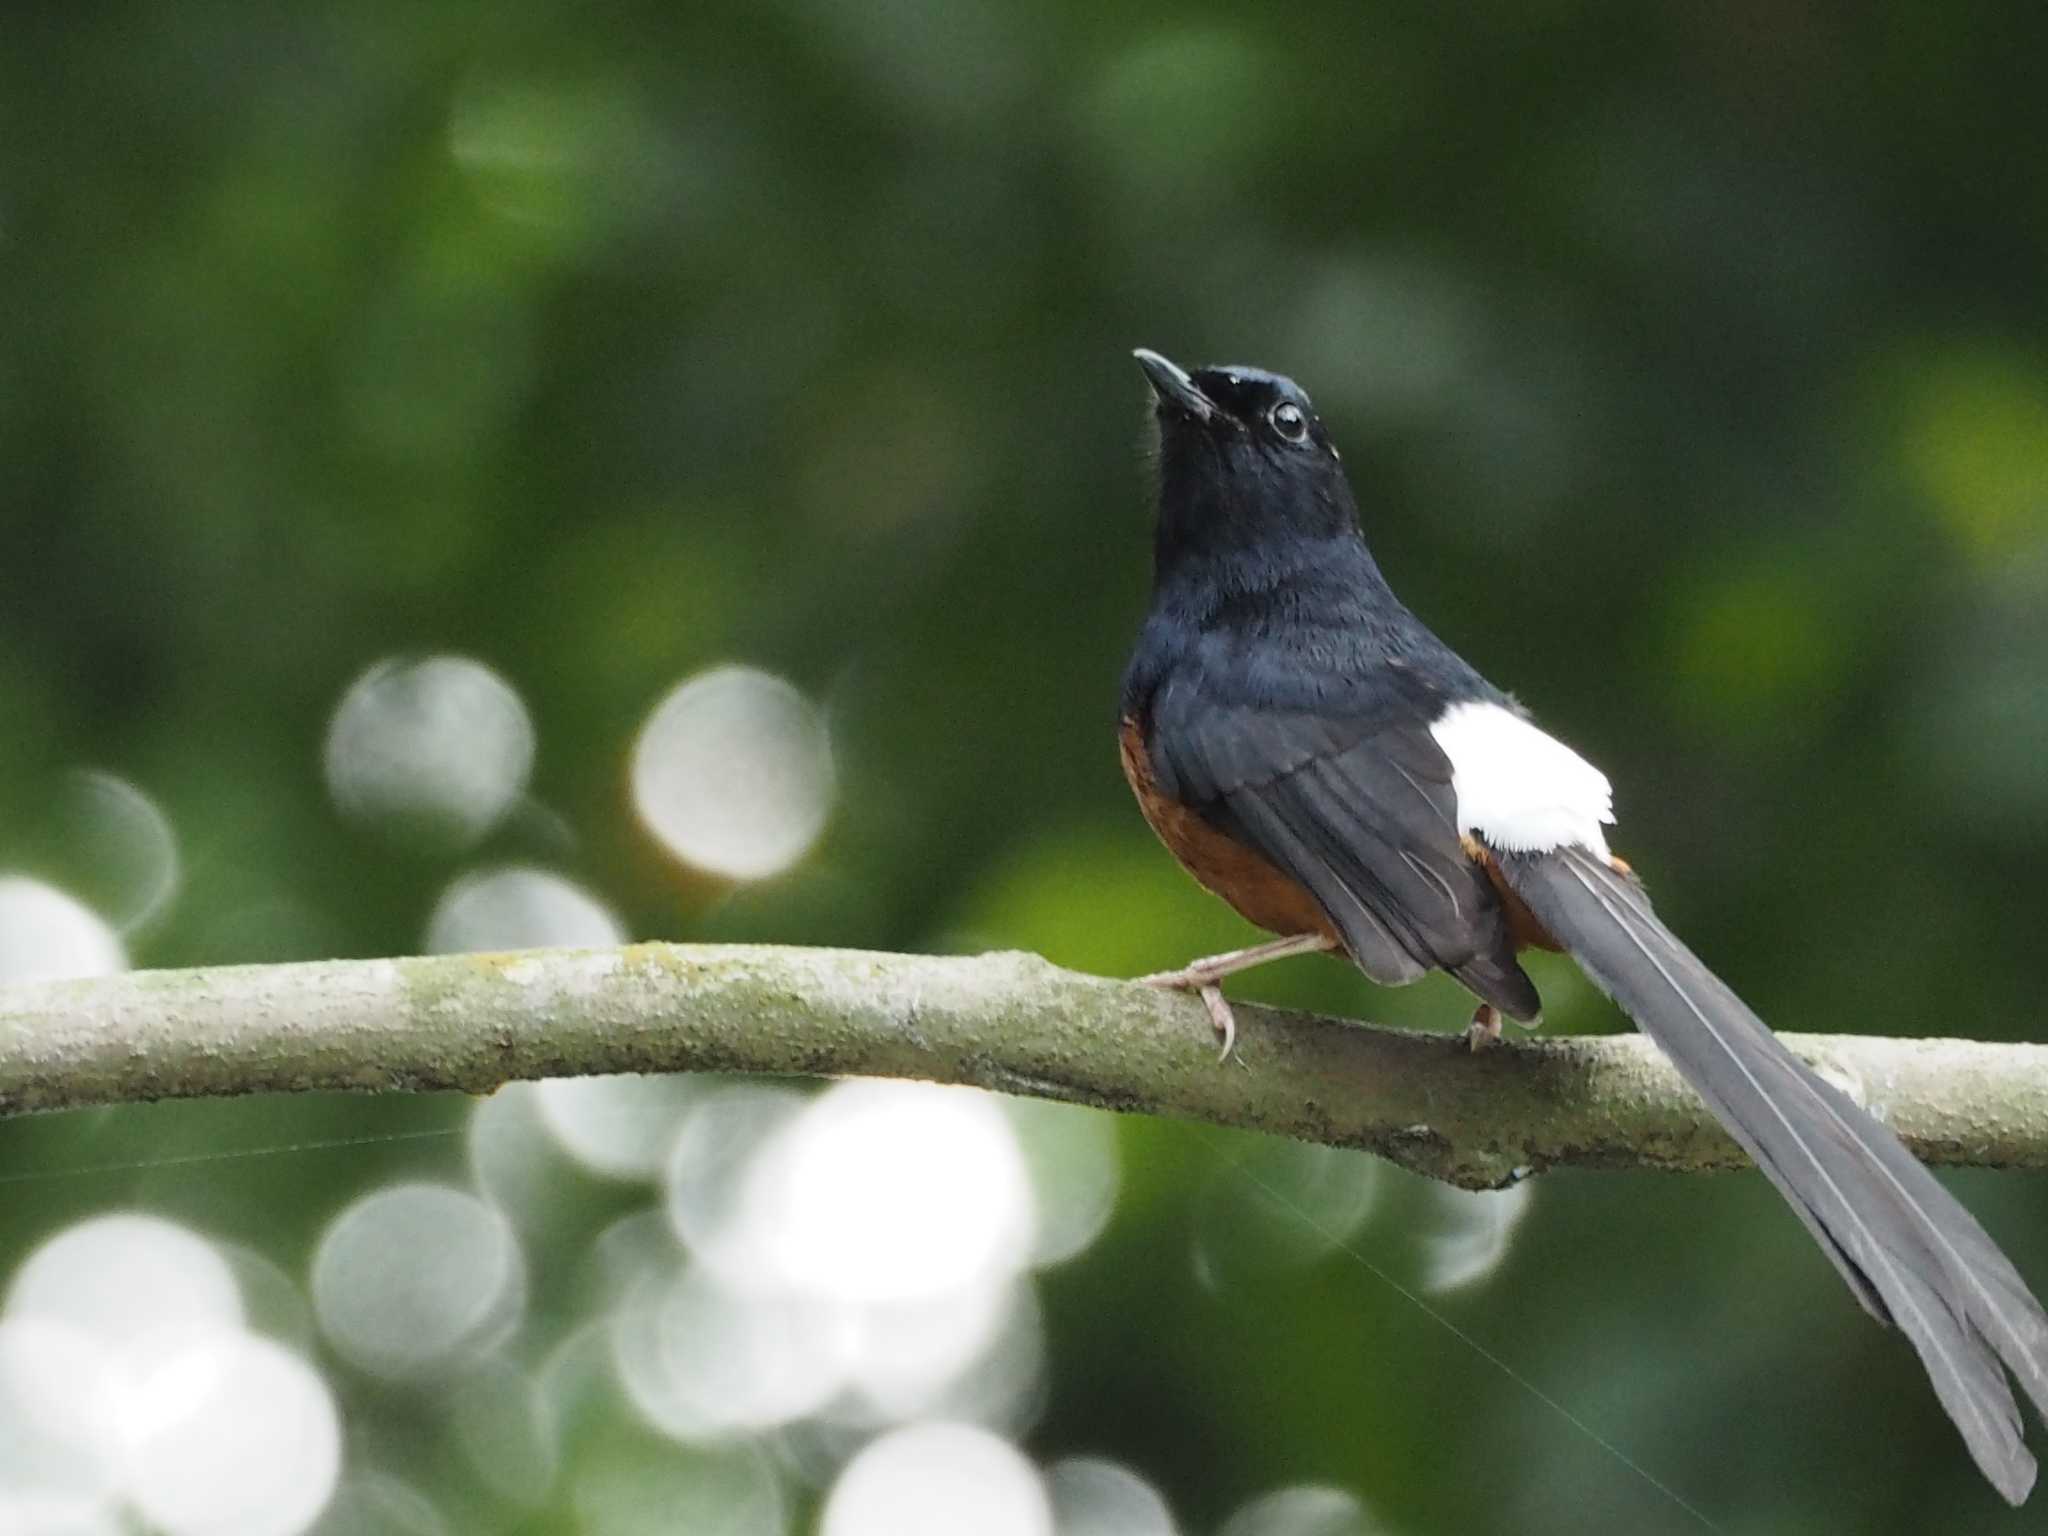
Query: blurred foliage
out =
(1692, 367)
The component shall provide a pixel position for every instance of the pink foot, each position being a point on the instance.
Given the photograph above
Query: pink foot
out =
(1484, 1030)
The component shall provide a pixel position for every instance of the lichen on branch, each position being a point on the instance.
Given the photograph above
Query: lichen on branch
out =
(1010, 1022)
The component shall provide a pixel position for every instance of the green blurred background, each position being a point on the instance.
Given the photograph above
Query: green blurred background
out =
(1691, 365)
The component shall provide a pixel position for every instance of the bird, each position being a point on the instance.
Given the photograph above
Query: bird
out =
(1315, 755)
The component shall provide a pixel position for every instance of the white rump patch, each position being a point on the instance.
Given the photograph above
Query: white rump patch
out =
(1519, 789)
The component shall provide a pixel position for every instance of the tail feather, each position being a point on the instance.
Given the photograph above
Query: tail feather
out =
(1909, 1250)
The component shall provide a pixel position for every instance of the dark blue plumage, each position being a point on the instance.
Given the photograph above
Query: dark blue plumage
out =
(1319, 758)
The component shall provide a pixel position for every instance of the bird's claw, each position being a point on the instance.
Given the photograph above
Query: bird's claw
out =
(1484, 1030)
(1224, 1020)
(1195, 979)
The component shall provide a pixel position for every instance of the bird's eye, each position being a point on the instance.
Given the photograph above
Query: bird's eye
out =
(1289, 422)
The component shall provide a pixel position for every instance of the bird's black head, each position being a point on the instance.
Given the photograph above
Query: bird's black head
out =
(1245, 468)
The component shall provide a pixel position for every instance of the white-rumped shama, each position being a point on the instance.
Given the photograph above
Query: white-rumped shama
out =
(1323, 762)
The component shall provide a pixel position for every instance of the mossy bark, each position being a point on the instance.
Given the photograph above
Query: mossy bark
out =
(1010, 1022)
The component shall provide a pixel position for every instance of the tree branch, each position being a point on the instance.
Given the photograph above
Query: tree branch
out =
(1011, 1022)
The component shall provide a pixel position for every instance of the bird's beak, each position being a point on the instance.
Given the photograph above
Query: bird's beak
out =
(1172, 386)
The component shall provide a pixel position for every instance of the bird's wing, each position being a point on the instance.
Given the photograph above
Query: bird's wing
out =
(1359, 809)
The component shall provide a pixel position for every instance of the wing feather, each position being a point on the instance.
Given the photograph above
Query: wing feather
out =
(1362, 813)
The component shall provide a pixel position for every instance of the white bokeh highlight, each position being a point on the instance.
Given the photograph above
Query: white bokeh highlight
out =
(60, 1394)
(1280, 1205)
(232, 1436)
(124, 838)
(1076, 1173)
(513, 1160)
(142, 1286)
(721, 1154)
(518, 907)
(938, 1480)
(858, 1257)
(908, 1358)
(441, 746)
(621, 1126)
(46, 933)
(134, 1396)
(1469, 1233)
(1306, 1510)
(733, 773)
(1000, 1382)
(1094, 1497)
(416, 1281)
(701, 1360)
(891, 1192)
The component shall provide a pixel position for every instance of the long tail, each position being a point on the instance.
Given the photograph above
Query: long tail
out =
(1909, 1250)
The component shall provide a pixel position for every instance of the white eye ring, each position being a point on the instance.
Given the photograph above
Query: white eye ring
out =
(1289, 422)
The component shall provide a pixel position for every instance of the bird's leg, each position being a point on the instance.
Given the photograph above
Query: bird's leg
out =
(1201, 977)
(1484, 1030)
(1211, 969)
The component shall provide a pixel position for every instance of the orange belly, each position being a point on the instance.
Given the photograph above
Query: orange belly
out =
(1260, 892)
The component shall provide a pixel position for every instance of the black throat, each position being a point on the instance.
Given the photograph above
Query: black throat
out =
(1285, 617)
